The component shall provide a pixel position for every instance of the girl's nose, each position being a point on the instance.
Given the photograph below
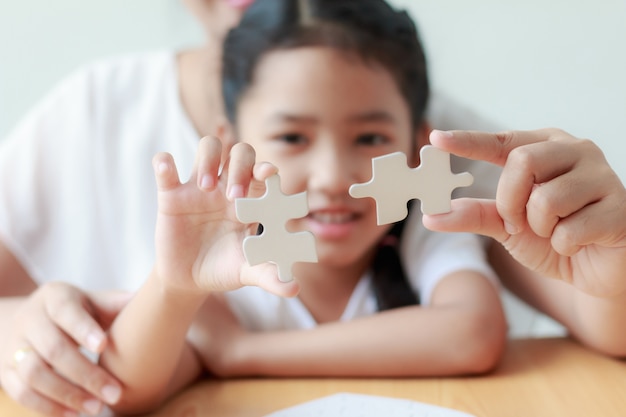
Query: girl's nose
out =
(332, 171)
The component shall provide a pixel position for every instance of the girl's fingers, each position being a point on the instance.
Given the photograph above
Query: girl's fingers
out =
(265, 276)
(264, 170)
(260, 173)
(240, 166)
(208, 160)
(165, 171)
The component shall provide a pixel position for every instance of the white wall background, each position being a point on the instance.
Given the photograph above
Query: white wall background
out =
(521, 64)
(533, 63)
(41, 41)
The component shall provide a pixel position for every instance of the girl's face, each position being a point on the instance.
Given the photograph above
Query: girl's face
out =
(321, 116)
(218, 16)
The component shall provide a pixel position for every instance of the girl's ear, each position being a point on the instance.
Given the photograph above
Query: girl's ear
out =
(421, 139)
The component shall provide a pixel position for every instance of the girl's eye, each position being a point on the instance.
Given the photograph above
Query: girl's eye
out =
(372, 139)
(292, 138)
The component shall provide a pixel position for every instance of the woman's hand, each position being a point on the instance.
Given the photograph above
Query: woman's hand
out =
(41, 365)
(198, 237)
(560, 209)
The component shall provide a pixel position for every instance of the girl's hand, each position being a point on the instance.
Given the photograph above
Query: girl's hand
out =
(560, 209)
(41, 365)
(198, 237)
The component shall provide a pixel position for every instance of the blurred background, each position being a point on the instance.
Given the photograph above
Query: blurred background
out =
(520, 65)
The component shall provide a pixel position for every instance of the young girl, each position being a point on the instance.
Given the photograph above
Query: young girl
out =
(314, 90)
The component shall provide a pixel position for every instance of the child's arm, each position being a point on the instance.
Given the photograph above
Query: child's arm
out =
(560, 211)
(148, 351)
(462, 331)
(198, 251)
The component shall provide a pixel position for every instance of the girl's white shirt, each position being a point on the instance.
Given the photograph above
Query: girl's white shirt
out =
(79, 196)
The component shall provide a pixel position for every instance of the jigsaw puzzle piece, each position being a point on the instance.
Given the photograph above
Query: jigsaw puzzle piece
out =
(394, 184)
(386, 188)
(276, 245)
(438, 181)
(271, 248)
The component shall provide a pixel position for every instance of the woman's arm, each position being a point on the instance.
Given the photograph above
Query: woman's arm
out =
(597, 322)
(463, 331)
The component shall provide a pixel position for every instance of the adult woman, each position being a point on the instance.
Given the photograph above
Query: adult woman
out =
(103, 123)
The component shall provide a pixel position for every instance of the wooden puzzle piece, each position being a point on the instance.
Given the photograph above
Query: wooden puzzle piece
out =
(393, 184)
(275, 244)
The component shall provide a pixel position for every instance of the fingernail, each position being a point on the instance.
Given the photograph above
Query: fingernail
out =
(94, 341)
(92, 407)
(511, 228)
(162, 167)
(206, 182)
(445, 133)
(111, 394)
(235, 191)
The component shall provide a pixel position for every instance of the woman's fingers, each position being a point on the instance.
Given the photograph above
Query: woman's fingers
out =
(57, 349)
(531, 173)
(41, 386)
(48, 371)
(601, 223)
(13, 384)
(471, 216)
(548, 176)
(106, 305)
(551, 202)
(544, 183)
(490, 147)
(528, 159)
(68, 308)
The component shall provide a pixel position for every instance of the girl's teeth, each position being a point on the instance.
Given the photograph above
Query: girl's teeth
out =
(333, 217)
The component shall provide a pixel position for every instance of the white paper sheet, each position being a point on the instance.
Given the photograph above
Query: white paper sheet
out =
(360, 405)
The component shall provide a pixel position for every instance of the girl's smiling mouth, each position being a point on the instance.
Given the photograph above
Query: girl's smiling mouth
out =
(332, 217)
(332, 224)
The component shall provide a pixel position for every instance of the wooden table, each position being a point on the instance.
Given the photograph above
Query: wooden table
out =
(537, 377)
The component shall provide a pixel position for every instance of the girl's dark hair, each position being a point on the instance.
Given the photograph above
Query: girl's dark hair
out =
(370, 30)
